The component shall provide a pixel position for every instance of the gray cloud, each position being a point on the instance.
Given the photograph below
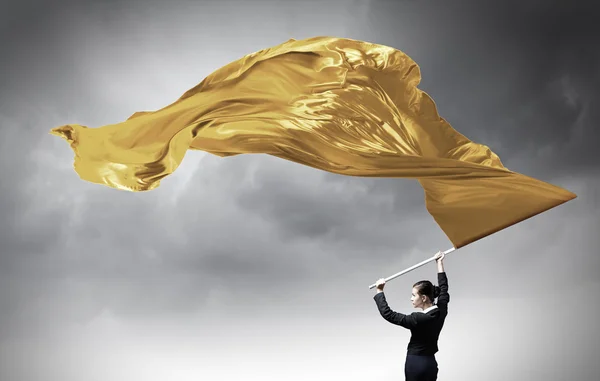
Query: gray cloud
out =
(523, 82)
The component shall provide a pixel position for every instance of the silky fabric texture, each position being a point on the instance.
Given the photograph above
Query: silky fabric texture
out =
(340, 105)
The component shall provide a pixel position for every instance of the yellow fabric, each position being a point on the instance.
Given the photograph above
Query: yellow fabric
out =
(340, 105)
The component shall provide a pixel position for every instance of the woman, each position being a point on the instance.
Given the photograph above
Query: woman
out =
(425, 326)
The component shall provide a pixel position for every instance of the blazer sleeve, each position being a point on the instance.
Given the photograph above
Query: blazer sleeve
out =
(406, 321)
(444, 297)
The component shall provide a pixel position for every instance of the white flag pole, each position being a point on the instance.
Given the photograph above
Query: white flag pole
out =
(412, 268)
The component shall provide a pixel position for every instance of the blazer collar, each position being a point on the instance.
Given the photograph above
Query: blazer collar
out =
(429, 309)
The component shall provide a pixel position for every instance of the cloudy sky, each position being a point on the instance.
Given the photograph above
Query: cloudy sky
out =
(254, 268)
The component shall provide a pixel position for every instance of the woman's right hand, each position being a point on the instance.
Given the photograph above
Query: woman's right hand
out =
(439, 261)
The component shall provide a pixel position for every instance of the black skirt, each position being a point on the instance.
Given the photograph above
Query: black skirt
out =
(420, 368)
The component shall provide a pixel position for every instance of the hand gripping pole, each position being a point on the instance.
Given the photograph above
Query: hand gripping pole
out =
(412, 268)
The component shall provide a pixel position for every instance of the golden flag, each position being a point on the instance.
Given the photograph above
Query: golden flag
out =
(339, 105)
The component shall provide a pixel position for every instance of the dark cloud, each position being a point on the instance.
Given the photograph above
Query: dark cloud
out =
(314, 205)
(521, 78)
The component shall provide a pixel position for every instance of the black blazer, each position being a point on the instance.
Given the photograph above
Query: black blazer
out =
(425, 327)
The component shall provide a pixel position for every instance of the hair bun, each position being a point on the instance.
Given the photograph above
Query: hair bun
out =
(436, 291)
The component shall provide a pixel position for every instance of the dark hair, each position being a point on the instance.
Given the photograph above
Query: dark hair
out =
(427, 288)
